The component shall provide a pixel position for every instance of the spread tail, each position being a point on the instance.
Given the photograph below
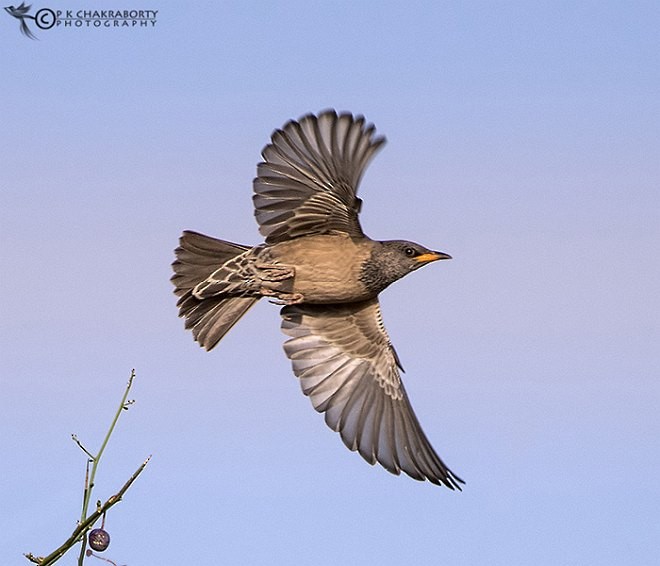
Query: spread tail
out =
(196, 258)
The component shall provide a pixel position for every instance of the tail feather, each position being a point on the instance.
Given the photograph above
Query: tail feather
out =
(196, 258)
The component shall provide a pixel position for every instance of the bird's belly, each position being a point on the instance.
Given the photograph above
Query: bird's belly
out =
(319, 285)
(327, 268)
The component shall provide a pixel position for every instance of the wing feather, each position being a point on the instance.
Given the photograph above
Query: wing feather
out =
(349, 370)
(308, 181)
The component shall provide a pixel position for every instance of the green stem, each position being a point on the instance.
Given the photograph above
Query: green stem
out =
(89, 483)
(80, 531)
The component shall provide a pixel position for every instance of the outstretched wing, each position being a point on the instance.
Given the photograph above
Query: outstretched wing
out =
(308, 180)
(349, 369)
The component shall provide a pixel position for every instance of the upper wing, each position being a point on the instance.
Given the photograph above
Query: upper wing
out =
(348, 368)
(308, 180)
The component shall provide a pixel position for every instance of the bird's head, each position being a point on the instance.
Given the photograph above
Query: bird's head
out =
(409, 256)
(19, 11)
(391, 260)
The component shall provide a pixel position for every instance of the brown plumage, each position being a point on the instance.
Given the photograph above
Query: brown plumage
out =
(319, 264)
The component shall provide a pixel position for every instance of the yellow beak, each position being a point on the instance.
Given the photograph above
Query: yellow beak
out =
(432, 256)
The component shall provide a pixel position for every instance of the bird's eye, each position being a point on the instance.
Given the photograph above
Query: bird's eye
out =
(409, 252)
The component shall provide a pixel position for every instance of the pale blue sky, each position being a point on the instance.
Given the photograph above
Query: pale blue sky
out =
(523, 138)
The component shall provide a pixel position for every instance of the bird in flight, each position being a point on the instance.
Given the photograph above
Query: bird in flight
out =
(326, 273)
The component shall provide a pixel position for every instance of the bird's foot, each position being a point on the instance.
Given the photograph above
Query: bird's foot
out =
(283, 299)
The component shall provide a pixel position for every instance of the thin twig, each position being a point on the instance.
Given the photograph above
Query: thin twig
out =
(89, 485)
(82, 528)
(75, 439)
(90, 553)
(87, 522)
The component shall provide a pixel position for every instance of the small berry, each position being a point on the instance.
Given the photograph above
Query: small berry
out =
(99, 539)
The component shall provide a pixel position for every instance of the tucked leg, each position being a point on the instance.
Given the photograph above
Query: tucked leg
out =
(281, 298)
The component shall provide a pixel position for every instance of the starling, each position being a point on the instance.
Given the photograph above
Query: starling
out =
(326, 273)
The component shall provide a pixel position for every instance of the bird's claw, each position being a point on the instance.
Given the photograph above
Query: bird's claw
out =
(283, 299)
